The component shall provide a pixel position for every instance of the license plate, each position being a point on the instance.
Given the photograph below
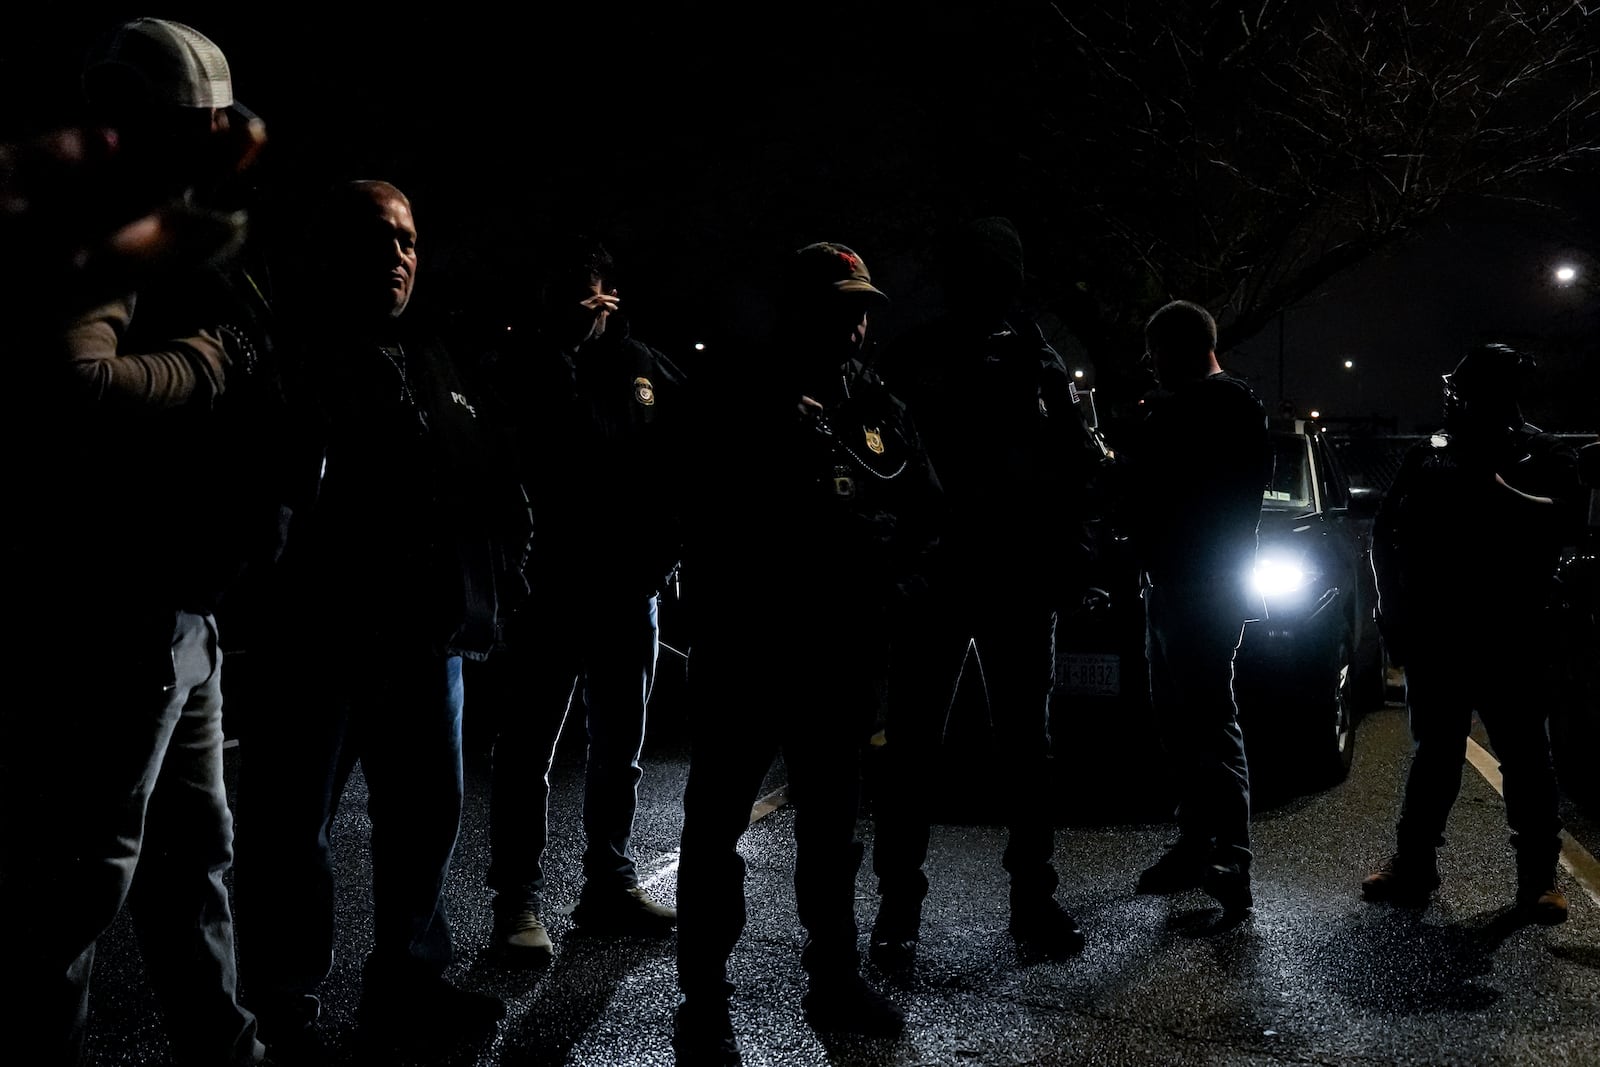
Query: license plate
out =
(1091, 674)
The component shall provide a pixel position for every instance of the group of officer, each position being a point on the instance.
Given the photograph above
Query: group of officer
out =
(866, 521)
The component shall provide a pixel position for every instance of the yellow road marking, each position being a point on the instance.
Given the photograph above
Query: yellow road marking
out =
(769, 803)
(1575, 859)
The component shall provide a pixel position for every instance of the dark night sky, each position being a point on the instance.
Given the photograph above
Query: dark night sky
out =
(705, 140)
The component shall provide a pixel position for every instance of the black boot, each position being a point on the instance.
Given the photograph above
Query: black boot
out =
(1039, 923)
(893, 944)
(702, 1033)
(845, 1003)
(1182, 866)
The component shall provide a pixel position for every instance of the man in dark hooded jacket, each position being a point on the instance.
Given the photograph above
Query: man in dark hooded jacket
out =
(1004, 428)
(1457, 599)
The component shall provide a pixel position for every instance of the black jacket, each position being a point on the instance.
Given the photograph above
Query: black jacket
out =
(831, 518)
(1452, 548)
(411, 523)
(1005, 429)
(1198, 469)
(598, 435)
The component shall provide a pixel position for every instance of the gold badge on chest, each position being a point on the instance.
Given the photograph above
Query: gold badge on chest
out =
(643, 391)
(874, 439)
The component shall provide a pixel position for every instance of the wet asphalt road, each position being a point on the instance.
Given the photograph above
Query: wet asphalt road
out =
(1314, 976)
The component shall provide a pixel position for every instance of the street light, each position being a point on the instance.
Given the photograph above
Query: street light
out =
(1349, 364)
(1566, 274)
(1077, 374)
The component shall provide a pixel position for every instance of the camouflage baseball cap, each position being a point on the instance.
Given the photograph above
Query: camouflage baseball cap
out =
(827, 263)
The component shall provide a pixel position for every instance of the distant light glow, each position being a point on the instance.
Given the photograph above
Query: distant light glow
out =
(1315, 414)
(699, 346)
(1077, 374)
(1349, 364)
(1566, 274)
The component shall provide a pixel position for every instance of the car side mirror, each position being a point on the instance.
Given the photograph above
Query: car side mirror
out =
(1589, 477)
(1364, 501)
(1589, 465)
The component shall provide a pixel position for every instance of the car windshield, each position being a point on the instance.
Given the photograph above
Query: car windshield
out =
(1290, 489)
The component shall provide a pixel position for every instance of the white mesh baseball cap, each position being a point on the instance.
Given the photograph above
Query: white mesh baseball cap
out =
(161, 61)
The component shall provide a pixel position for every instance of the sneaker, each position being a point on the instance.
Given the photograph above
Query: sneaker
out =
(430, 1016)
(1045, 927)
(846, 1004)
(1547, 906)
(1183, 866)
(702, 1033)
(625, 913)
(287, 1025)
(521, 939)
(892, 945)
(1229, 885)
(1403, 880)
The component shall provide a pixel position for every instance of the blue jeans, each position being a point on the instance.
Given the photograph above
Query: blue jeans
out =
(1190, 641)
(396, 706)
(604, 648)
(135, 812)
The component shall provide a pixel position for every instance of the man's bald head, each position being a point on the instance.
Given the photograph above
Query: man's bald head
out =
(369, 238)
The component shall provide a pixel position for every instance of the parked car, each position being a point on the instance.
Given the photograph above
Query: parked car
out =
(1304, 674)
(1315, 663)
(1575, 712)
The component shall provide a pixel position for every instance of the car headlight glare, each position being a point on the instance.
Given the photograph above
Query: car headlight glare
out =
(1275, 577)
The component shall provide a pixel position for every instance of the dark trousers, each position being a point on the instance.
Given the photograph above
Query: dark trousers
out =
(604, 648)
(811, 698)
(1190, 641)
(1491, 671)
(114, 793)
(1015, 642)
(397, 708)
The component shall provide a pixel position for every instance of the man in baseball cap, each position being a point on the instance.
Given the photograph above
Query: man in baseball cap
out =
(112, 752)
(147, 62)
(167, 90)
(824, 497)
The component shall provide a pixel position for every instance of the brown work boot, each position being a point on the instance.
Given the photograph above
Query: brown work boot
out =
(1404, 879)
(1537, 895)
(623, 912)
(1546, 907)
(521, 939)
